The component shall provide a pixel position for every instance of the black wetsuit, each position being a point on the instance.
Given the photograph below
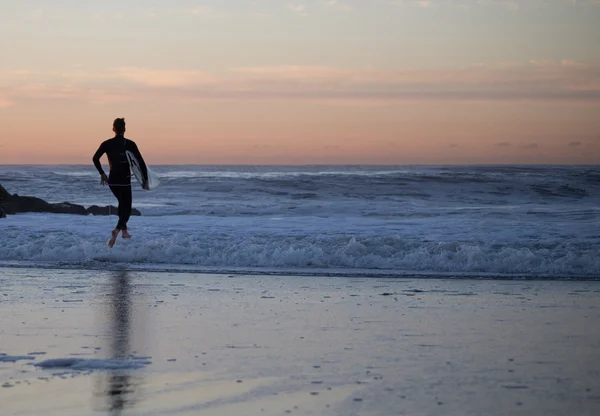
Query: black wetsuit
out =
(119, 178)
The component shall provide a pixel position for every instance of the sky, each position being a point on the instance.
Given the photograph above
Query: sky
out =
(302, 82)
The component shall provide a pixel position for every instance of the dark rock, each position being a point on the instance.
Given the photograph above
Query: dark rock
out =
(14, 204)
(17, 204)
(4, 194)
(108, 210)
(68, 208)
(96, 210)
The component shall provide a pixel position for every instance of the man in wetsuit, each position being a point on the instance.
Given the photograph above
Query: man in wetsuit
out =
(119, 178)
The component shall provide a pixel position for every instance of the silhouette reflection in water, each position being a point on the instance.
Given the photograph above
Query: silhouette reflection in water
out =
(117, 388)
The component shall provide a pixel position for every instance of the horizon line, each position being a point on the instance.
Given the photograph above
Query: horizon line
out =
(322, 164)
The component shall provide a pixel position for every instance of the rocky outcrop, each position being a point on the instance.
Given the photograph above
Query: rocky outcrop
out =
(108, 210)
(15, 204)
(3, 194)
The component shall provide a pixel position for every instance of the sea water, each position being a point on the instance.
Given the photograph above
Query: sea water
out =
(509, 221)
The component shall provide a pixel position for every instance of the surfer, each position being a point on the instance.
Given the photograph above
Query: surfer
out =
(119, 178)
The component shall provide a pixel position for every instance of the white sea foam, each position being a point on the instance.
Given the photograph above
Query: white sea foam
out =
(304, 244)
(533, 221)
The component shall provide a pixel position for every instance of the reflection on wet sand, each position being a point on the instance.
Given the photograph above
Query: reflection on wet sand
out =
(117, 388)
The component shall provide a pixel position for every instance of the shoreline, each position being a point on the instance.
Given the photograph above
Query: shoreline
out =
(173, 268)
(114, 266)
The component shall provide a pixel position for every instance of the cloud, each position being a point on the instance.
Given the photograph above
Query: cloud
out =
(550, 82)
(201, 10)
(510, 5)
(150, 13)
(299, 9)
(336, 4)
(37, 14)
(144, 76)
(550, 63)
(426, 4)
(464, 6)
(208, 12)
(503, 144)
(294, 72)
(529, 146)
(5, 103)
(555, 82)
(570, 62)
(261, 15)
(583, 2)
(163, 78)
(574, 144)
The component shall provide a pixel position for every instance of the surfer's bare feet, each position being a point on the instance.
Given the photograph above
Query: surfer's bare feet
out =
(125, 234)
(113, 238)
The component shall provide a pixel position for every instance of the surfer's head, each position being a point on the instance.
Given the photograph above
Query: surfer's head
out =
(119, 126)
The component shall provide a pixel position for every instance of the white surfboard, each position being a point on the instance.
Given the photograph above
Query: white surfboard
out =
(152, 178)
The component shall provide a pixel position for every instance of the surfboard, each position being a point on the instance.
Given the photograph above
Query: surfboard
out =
(136, 169)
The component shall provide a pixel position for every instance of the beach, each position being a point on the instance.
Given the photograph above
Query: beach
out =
(321, 207)
(154, 343)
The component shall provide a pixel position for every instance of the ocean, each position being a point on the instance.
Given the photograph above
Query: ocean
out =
(430, 221)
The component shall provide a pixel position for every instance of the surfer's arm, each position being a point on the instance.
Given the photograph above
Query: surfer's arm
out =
(97, 157)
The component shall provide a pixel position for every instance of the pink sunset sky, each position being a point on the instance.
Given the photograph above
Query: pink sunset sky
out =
(313, 82)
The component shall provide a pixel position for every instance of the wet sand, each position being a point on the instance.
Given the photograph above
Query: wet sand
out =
(186, 344)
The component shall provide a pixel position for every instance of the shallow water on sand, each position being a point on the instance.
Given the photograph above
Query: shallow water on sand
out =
(160, 343)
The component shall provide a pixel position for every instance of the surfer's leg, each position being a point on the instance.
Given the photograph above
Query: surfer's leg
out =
(125, 205)
(121, 224)
(123, 195)
(125, 232)
(125, 210)
(113, 237)
(115, 233)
